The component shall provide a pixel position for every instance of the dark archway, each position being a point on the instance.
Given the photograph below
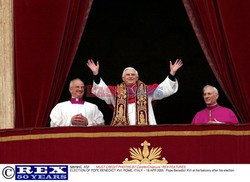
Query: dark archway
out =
(145, 35)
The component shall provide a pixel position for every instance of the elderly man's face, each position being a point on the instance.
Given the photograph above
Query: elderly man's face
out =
(77, 89)
(210, 96)
(130, 77)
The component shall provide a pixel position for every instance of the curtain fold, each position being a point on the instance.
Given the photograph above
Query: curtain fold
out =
(222, 28)
(47, 35)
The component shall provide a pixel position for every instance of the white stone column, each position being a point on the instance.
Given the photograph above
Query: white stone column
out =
(6, 65)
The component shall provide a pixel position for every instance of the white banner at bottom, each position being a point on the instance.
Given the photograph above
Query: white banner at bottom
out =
(123, 172)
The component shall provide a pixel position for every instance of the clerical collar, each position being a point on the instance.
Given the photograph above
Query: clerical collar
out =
(212, 107)
(77, 101)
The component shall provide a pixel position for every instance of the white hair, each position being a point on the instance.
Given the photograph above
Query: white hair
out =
(130, 68)
(71, 82)
(214, 88)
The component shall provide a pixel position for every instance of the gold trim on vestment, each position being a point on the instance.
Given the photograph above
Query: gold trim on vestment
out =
(142, 104)
(120, 117)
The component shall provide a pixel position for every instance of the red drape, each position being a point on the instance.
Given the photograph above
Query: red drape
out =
(47, 34)
(222, 28)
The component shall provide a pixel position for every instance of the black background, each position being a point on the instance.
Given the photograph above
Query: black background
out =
(145, 35)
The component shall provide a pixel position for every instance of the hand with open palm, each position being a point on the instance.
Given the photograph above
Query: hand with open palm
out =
(174, 67)
(93, 67)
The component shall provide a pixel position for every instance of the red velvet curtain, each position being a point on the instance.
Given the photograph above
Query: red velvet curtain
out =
(47, 34)
(222, 28)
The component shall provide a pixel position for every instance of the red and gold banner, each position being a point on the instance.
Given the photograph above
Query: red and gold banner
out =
(172, 144)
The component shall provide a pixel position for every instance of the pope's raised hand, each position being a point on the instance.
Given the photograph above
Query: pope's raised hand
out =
(174, 67)
(93, 67)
